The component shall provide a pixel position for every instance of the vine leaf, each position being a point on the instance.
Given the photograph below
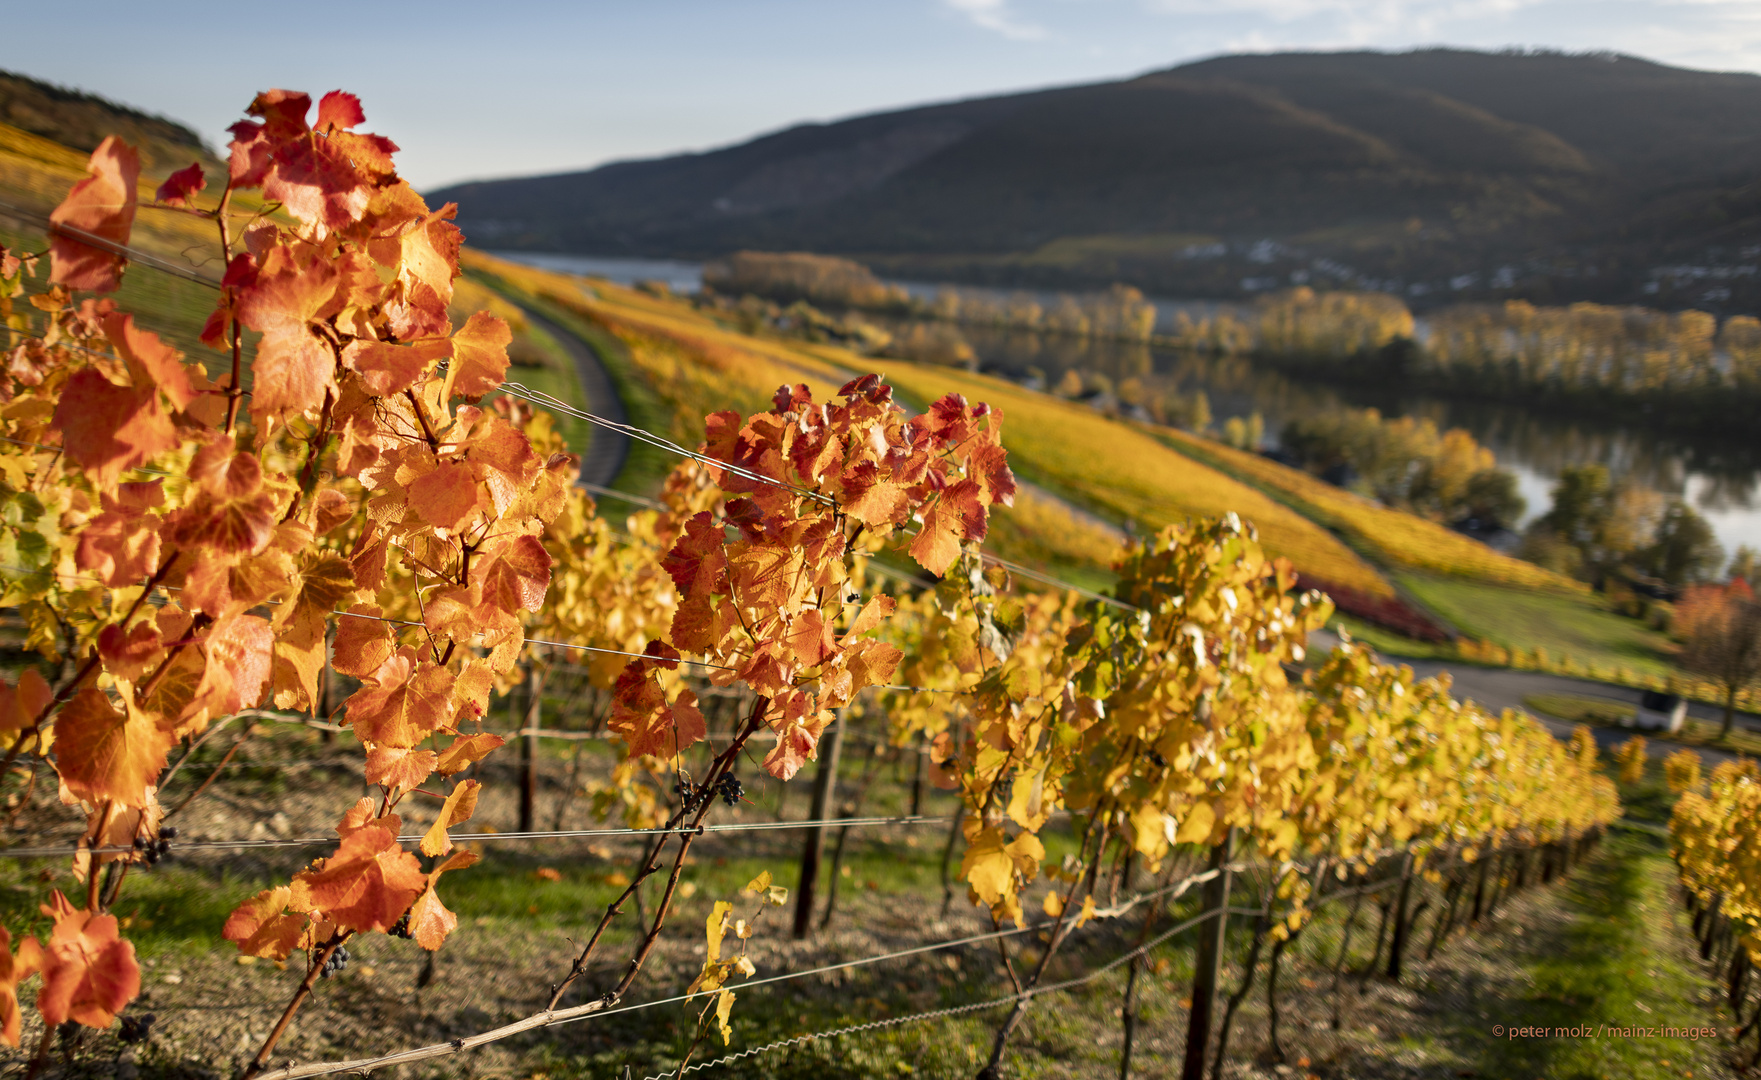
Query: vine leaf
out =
(367, 885)
(89, 973)
(102, 204)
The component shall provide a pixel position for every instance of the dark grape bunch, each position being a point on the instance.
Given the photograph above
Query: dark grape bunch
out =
(136, 1029)
(401, 928)
(335, 962)
(154, 850)
(730, 789)
(691, 796)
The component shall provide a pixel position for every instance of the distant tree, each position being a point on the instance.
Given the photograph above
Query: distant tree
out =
(1492, 496)
(1604, 521)
(1744, 567)
(1721, 630)
(1684, 550)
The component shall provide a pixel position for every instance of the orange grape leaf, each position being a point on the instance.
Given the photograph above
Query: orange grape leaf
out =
(127, 653)
(937, 544)
(795, 746)
(398, 767)
(23, 703)
(873, 613)
(329, 509)
(360, 816)
(367, 885)
(459, 807)
(89, 974)
(871, 499)
(430, 921)
(240, 654)
(408, 704)
(445, 495)
(479, 356)
(107, 428)
(101, 206)
(261, 927)
(465, 751)
(105, 754)
(518, 576)
(641, 714)
(388, 369)
(363, 643)
(15, 967)
(181, 186)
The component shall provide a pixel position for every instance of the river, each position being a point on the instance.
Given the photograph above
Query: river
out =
(1721, 478)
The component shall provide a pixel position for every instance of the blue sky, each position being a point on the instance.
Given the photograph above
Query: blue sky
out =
(520, 87)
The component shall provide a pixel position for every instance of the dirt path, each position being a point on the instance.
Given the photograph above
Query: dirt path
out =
(608, 449)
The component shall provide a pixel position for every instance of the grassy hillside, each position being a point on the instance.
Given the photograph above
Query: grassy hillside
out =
(1416, 167)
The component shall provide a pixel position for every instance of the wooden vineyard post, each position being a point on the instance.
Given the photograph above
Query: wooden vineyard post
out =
(529, 747)
(825, 782)
(1402, 926)
(1209, 973)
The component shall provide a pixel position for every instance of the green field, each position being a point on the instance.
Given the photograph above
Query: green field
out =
(1565, 625)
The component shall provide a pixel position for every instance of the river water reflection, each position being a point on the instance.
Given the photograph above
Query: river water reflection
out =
(1720, 477)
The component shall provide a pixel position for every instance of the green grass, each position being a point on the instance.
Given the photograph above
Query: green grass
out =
(1620, 963)
(1578, 627)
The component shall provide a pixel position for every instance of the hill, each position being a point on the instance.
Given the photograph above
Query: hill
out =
(1437, 172)
(80, 120)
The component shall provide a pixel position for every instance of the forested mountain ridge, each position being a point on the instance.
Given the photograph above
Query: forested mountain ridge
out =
(1437, 172)
(80, 120)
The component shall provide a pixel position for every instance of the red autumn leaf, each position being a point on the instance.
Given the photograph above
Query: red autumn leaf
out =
(445, 495)
(15, 967)
(107, 428)
(150, 361)
(465, 751)
(698, 560)
(22, 705)
(794, 748)
(128, 653)
(260, 927)
(479, 356)
(294, 369)
(181, 186)
(89, 973)
(518, 574)
(361, 816)
(367, 885)
(121, 545)
(102, 753)
(100, 207)
(340, 110)
(362, 643)
(648, 723)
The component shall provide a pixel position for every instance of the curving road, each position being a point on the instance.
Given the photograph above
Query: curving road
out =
(1498, 689)
(608, 449)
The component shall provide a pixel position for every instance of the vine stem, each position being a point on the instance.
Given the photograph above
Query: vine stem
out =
(723, 762)
(293, 1006)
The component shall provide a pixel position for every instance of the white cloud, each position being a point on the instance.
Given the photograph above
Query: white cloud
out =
(994, 15)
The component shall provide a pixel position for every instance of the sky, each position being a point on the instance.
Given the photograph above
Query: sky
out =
(522, 87)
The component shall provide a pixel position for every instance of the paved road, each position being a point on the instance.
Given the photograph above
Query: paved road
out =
(606, 452)
(1498, 689)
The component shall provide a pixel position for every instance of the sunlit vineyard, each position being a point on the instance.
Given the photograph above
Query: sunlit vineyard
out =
(548, 749)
